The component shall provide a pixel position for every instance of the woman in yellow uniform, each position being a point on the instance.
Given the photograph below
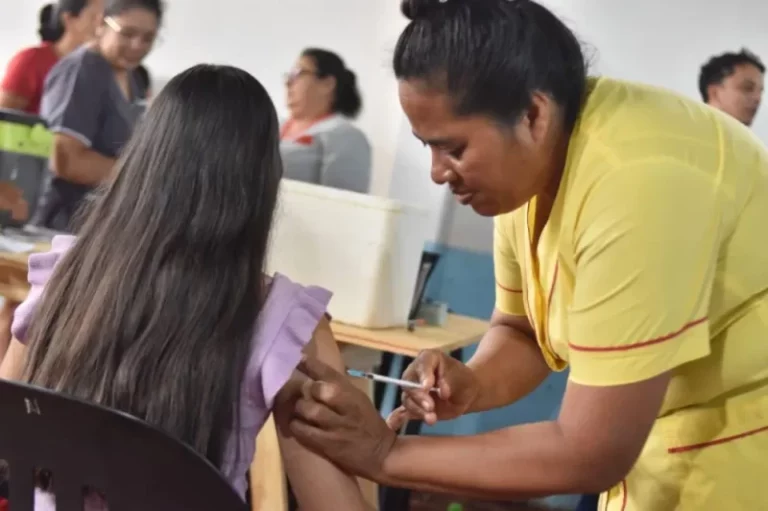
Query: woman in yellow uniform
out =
(629, 247)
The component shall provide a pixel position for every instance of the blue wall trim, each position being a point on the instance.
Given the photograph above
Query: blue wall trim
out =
(464, 280)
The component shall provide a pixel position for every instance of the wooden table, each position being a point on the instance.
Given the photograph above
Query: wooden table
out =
(361, 347)
(458, 332)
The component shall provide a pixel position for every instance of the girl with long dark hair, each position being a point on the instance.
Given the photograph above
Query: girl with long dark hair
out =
(160, 306)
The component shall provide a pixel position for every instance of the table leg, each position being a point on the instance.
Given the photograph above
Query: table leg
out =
(387, 359)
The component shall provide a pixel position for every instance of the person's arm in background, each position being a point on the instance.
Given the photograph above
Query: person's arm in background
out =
(346, 159)
(72, 105)
(318, 484)
(20, 82)
(12, 101)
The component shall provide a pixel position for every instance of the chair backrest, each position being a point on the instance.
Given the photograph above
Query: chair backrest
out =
(133, 464)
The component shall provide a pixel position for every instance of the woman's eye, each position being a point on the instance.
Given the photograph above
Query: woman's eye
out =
(457, 153)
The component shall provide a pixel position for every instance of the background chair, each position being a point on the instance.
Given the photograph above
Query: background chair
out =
(85, 445)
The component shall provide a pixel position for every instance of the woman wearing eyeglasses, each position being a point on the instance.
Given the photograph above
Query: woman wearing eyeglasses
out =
(92, 102)
(318, 143)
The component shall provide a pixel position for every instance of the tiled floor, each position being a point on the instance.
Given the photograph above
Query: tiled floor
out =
(429, 502)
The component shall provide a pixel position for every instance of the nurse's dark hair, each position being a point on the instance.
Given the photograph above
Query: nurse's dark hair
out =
(490, 56)
(51, 28)
(346, 96)
(153, 309)
(117, 7)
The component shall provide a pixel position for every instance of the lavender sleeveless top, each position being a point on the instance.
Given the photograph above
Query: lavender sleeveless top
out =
(286, 324)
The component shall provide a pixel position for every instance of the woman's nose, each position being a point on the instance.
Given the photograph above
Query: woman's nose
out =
(442, 173)
(439, 169)
(438, 172)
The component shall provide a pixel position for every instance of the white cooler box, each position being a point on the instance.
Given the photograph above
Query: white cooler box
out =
(365, 249)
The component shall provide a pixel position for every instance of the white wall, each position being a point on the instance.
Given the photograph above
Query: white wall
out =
(265, 39)
(658, 41)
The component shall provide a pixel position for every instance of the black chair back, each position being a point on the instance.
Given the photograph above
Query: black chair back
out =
(136, 466)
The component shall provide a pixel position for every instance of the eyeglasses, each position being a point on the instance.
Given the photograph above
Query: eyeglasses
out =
(295, 74)
(131, 34)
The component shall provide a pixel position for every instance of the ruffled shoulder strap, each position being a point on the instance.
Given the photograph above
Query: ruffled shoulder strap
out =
(41, 268)
(287, 323)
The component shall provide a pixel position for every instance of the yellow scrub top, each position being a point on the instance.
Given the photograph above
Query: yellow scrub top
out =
(655, 259)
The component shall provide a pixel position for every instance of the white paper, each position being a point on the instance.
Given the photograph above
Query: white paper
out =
(14, 246)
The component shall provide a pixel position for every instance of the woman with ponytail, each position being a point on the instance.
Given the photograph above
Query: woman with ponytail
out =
(46, 31)
(63, 27)
(318, 143)
(628, 248)
(161, 307)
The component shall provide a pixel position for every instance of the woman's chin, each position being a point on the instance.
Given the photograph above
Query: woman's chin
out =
(484, 207)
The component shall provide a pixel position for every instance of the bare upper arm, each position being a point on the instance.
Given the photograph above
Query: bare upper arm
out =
(607, 427)
(13, 363)
(318, 484)
(12, 101)
(520, 323)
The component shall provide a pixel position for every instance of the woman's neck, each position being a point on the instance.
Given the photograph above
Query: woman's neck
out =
(545, 200)
(298, 125)
(309, 118)
(66, 45)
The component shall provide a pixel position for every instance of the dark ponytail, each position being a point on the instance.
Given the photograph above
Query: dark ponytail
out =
(49, 30)
(51, 27)
(490, 56)
(347, 100)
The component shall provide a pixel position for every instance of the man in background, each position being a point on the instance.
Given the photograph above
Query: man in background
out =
(733, 83)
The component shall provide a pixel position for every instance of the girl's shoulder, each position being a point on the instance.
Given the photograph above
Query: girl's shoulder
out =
(287, 322)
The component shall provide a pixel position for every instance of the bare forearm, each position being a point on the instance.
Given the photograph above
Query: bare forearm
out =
(516, 463)
(508, 365)
(85, 167)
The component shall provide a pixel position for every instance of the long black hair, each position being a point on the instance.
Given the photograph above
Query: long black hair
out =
(491, 55)
(152, 311)
(346, 96)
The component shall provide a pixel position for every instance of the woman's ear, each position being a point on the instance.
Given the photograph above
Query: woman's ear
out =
(328, 84)
(540, 116)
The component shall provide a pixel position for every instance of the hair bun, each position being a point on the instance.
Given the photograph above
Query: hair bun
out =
(423, 9)
(420, 9)
(350, 76)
